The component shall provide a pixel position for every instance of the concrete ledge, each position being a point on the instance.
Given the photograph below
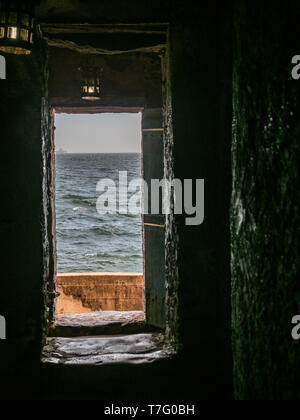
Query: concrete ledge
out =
(95, 292)
(123, 349)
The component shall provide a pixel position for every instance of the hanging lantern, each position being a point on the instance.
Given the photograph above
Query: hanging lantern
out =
(16, 27)
(90, 83)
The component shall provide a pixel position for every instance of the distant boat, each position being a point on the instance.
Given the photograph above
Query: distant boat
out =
(61, 152)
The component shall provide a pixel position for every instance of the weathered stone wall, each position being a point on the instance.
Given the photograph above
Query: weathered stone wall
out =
(265, 215)
(94, 292)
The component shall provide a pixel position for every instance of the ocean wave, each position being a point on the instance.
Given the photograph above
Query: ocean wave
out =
(87, 240)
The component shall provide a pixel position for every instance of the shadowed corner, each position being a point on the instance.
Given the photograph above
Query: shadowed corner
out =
(2, 328)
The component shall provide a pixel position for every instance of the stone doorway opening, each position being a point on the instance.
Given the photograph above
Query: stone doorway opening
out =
(136, 79)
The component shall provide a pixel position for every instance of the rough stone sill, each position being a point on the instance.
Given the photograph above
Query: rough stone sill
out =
(121, 349)
(98, 323)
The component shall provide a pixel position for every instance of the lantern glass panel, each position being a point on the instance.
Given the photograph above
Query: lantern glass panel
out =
(3, 17)
(2, 32)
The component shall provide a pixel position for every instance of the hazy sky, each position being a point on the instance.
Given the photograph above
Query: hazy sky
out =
(98, 133)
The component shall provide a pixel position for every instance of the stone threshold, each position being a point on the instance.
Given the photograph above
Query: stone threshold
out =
(121, 349)
(99, 323)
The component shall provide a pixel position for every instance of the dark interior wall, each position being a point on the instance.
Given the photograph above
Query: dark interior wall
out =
(114, 11)
(265, 213)
(127, 80)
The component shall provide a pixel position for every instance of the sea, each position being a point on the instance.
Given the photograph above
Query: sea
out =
(86, 240)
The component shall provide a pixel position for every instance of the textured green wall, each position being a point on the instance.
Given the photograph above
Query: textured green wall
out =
(265, 204)
(200, 85)
(201, 79)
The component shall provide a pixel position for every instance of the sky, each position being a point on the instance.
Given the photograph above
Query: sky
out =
(98, 133)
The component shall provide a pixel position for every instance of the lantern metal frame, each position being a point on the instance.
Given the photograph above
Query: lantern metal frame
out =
(16, 28)
(90, 83)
